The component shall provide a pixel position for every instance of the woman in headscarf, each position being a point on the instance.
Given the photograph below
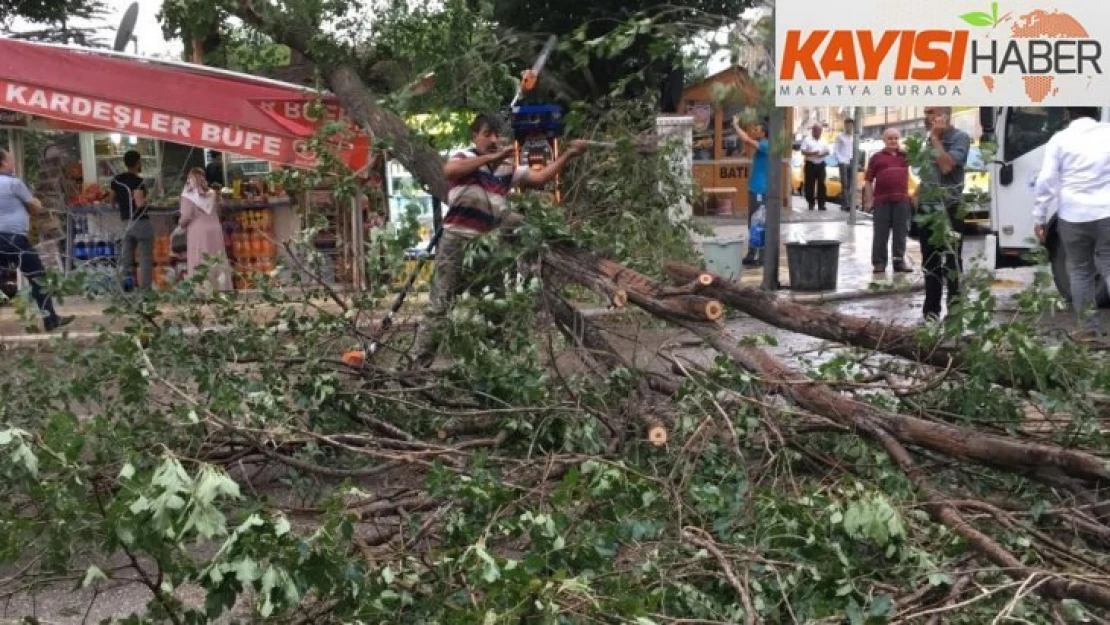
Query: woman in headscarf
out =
(204, 234)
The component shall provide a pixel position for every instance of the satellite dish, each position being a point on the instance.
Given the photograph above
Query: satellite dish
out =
(126, 27)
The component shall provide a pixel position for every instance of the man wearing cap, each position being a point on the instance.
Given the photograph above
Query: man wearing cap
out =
(480, 177)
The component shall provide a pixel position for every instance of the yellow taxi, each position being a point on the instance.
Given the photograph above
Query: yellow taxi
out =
(832, 176)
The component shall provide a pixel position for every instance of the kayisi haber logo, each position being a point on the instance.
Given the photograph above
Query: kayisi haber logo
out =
(1044, 53)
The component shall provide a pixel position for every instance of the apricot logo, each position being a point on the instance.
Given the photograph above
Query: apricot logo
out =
(1038, 53)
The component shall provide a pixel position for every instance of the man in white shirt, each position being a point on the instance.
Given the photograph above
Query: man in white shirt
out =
(1075, 180)
(815, 150)
(842, 150)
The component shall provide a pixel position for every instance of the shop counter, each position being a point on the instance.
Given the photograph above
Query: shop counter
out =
(165, 209)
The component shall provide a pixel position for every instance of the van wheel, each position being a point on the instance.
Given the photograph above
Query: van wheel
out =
(1060, 272)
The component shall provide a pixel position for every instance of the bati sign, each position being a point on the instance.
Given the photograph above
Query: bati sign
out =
(911, 54)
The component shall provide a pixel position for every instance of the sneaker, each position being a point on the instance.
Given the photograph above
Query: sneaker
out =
(52, 324)
(750, 261)
(902, 268)
(879, 269)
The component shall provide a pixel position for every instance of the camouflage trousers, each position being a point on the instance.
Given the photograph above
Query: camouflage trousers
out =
(451, 279)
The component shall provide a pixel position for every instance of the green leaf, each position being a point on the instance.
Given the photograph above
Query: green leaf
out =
(140, 505)
(208, 522)
(881, 606)
(93, 574)
(246, 570)
(127, 472)
(27, 457)
(978, 18)
(214, 484)
(855, 614)
(269, 583)
(281, 526)
(939, 579)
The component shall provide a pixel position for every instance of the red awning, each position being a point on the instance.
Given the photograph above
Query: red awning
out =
(178, 102)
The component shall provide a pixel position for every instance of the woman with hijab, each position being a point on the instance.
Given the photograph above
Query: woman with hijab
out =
(204, 234)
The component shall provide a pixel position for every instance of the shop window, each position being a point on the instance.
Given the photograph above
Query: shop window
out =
(702, 112)
(1030, 127)
(731, 146)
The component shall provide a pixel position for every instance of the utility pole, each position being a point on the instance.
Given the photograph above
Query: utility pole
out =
(773, 201)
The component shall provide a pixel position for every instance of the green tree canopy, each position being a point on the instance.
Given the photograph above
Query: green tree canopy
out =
(49, 11)
(619, 47)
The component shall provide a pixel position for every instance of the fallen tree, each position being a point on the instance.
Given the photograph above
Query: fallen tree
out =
(893, 432)
(529, 478)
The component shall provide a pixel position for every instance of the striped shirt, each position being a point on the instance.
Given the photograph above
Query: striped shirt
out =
(478, 199)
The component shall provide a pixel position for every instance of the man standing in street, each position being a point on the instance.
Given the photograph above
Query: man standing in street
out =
(815, 150)
(757, 185)
(480, 180)
(16, 207)
(131, 200)
(842, 150)
(1075, 181)
(941, 190)
(887, 194)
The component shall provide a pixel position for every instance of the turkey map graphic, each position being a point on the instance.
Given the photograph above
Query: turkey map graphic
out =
(1038, 25)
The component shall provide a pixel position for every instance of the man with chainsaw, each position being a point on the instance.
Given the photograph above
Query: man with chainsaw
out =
(480, 178)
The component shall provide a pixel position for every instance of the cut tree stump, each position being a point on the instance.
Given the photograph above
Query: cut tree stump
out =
(608, 278)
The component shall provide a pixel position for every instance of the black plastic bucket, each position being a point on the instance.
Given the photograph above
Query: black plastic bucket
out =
(813, 265)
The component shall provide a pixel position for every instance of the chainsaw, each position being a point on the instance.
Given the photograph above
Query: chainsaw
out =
(532, 75)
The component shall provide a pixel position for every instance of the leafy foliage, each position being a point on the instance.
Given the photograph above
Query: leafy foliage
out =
(218, 451)
(49, 12)
(613, 48)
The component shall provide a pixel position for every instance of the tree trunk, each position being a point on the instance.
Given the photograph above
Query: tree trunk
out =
(359, 103)
(607, 278)
(845, 329)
